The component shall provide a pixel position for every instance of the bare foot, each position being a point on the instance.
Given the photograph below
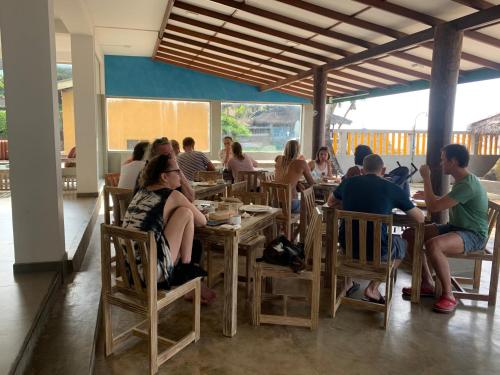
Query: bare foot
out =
(207, 295)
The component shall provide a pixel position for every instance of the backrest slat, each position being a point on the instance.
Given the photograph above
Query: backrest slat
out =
(313, 236)
(377, 242)
(143, 251)
(280, 196)
(237, 187)
(362, 241)
(348, 237)
(121, 199)
(120, 260)
(132, 262)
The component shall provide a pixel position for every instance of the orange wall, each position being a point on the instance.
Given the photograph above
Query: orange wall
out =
(149, 119)
(68, 119)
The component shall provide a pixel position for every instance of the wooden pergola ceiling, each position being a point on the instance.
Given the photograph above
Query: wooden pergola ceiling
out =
(276, 44)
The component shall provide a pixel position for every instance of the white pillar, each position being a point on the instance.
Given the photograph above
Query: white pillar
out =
(29, 63)
(215, 129)
(85, 97)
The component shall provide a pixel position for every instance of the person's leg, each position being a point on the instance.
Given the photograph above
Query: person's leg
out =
(179, 232)
(437, 249)
(430, 231)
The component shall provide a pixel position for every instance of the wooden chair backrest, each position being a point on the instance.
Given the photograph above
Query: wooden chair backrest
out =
(237, 187)
(280, 196)
(307, 205)
(312, 243)
(270, 176)
(4, 180)
(493, 211)
(121, 199)
(252, 197)
(135, 252)
(253, 179)
(207, 175)
(111, 179)
(363, 220)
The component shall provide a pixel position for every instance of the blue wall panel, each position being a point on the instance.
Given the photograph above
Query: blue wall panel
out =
(128, 76)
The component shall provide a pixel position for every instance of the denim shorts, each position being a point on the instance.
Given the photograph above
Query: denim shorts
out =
(295, 206)
(472, 240)
(399, 246)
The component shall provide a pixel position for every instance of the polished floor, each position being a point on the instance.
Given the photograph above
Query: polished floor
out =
(417, 341)
(22, 295)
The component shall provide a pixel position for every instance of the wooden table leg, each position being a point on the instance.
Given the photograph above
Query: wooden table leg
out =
(229, 316)
(329, 249)
(416, 279)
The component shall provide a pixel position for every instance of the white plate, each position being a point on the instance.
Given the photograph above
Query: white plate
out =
(255, 208)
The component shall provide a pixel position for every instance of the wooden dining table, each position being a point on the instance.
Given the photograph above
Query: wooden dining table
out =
(229, 237)
(202, 191)
(399, 219)
(325, 189)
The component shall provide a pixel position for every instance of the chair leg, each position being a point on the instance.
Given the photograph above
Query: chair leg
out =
(333, 302)
(477, 274)
(495, 269)
(196, 308)
(250, 263)
(153, 342)
(315, 291)
(108, 327)
(257, 290)
(388, 296)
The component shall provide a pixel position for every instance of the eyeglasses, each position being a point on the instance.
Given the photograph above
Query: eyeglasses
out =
(173, 170)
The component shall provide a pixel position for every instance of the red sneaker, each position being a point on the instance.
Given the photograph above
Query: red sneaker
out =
(445, 305)
(424, 292)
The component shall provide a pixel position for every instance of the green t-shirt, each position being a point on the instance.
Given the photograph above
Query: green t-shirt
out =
(471, 212)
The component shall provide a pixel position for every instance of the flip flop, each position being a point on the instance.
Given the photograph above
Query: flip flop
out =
(353, 289)
(445, 305)
(380, 300)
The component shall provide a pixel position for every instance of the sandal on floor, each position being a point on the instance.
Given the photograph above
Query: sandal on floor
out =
(380, 300)
(353, 289)
(445, 305)
(424, 292)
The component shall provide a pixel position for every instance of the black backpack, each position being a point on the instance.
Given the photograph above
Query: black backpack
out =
(284, 253)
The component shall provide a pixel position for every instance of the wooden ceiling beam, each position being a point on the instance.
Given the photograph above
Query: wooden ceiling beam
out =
(426, 19)
(462, 23)
(385, 31)
(367, 81)
(166, 16)
(227, 52)
(240, 46)
(291, 37)
(315, 29)
(476, 4)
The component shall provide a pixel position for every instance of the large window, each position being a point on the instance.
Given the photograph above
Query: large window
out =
(131, 120)
(261, 127)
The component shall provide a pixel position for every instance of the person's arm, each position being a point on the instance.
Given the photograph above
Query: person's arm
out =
(186, 188)
(311, 165)
(307, 174)
(335, 198)
(433, 202)
(416, 214)
(210, 166)
(176, 200)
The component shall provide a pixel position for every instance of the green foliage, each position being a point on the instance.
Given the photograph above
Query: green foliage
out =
(2, 86)
(64, 72)
(3, 125)
(232, 127)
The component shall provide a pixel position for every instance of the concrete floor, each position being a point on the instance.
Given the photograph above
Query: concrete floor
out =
(23, 295)
(417, 341)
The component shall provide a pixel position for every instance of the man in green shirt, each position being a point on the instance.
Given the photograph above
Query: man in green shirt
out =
(466, 231)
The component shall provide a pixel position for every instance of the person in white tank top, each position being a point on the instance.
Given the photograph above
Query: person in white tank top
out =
(321, 166)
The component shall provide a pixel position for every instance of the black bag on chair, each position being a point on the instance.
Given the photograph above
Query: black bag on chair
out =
(282, 252)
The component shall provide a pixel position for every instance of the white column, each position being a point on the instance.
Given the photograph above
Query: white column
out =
(28, 49)
(215, 129)
(85, 96)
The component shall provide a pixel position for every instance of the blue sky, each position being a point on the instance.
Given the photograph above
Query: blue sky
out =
(474, 101)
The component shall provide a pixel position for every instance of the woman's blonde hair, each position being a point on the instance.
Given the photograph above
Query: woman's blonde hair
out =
(292, 152)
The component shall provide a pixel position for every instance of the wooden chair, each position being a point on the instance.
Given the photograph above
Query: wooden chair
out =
(237, 187)
(121, 199)
(141, 296)
(253, 198)
(253, 179)
(307, 205)
(346, 266)
(280, 196)
(111, 179)
(486, 254)
(207, 175)
(4, 180)
(312, 273)
(270, 176)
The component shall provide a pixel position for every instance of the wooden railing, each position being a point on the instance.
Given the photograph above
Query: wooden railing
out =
(387, 142)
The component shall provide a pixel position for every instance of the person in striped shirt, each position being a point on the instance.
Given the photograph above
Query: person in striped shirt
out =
(192, 161)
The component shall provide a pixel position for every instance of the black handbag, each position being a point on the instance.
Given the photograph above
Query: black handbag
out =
(282, 252)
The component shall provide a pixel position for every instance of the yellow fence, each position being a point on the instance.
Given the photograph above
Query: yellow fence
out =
(402, 142)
